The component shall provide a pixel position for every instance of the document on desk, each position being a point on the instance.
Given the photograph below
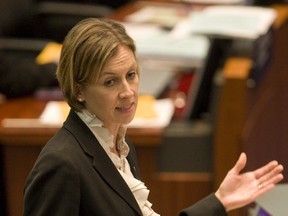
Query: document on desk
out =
(166, 17)
(155, 31)
(157, 45)
(232, 21)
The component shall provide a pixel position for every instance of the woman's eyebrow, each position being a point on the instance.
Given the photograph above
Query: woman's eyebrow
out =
(107, 73)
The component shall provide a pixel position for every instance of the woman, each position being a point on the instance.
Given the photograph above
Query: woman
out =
(89, 167)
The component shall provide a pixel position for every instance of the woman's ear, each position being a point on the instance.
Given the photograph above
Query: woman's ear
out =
(80, 99)
(79, 94)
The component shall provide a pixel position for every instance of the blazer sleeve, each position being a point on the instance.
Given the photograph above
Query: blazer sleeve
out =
(209, 206)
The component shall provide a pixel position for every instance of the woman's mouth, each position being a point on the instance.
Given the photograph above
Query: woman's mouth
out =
(125, 108)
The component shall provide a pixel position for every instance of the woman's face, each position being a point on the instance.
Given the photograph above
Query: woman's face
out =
(113, 99)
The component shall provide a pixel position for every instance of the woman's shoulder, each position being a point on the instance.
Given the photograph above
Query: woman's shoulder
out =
(62, 146)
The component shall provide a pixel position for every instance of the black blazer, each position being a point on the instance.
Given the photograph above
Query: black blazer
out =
(73, 176)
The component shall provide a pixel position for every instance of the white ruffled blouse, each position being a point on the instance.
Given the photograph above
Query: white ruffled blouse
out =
(105, 138)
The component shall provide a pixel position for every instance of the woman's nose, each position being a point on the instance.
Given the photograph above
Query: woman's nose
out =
(126, 90)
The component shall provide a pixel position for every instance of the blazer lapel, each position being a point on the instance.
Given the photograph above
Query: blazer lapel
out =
(101, 161)
(132, 159)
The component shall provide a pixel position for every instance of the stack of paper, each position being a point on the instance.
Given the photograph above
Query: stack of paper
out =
(165, 16)
(153, 29)
(156, 44)
(232, 21)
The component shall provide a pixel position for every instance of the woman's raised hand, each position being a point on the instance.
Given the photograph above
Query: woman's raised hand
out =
(239, 189)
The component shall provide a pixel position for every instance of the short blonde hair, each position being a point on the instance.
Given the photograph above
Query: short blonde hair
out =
(86, 49)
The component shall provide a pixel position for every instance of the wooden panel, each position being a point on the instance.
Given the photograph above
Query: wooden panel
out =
(265, 134)
(17, 163)
(230, 119)
(180, 190)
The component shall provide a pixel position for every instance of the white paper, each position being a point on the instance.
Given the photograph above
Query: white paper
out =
(176, 48)
(163, 16)
(233, 21)
(53, 114)
(164, 109)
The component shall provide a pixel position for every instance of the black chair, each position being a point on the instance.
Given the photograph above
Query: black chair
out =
(53, 19)
(18, 50)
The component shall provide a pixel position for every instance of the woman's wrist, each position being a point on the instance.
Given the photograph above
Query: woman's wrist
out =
(222, 199)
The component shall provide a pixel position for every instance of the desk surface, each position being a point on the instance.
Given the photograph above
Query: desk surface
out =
(31, 108)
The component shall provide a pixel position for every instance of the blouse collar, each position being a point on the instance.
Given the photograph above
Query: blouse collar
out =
(103, 135)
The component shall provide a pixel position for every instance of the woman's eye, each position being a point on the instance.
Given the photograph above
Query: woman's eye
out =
(131, 75)
(109, 82)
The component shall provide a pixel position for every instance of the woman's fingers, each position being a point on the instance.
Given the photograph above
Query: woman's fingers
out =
(269, 170)
(269, 175)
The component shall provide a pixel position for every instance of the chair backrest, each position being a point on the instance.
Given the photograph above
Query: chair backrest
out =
(55, 18)
(15, 19)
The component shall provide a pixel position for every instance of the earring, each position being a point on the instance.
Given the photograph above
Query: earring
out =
(80, 100)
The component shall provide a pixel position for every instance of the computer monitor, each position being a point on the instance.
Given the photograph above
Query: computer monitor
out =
(218, 52)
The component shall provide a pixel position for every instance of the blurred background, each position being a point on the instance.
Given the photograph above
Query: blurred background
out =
(227, 85)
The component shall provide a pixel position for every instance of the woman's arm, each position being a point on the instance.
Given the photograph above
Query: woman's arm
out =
(210, 205)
